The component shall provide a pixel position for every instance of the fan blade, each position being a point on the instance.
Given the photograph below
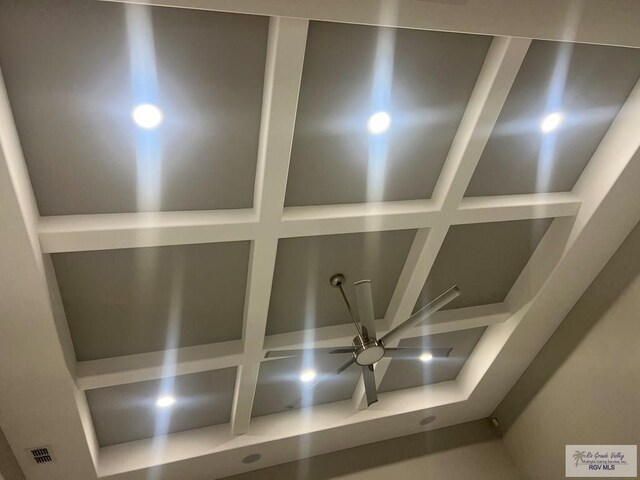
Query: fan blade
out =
(369, 378)
(415, 353)
(344, 366)
(323, 379)
(421, 315)
(303, 351)
(365, 307)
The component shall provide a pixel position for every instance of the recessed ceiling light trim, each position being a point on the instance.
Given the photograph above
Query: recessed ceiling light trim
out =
(147, 116)
(165, 401)
(379, 123)
(252, 458)
(307, 375)
(551, 122)
(426, 357)
(428, 420)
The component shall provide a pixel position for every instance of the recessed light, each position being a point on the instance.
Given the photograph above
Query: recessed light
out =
(307, 375)
(252, 458)
(165, 401)
(426, 357)
(147, 116)
(428, 420)
(379, 122)
(551, 122)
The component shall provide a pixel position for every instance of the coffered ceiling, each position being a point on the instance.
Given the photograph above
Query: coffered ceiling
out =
(73, 71)
(588, 83)
(423, 79)
(483, 259)
(137, 300)
(147, 271)
(303, 298)
(128, 412)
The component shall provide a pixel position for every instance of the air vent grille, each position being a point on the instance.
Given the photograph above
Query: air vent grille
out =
(41, 454)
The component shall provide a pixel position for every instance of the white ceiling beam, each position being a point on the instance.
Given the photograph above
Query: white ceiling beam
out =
(140, 367)
(283, 74)
(76, 233)
(363, 217)
(516, 207)
(277, 437)
(494, 82)
(334, 335)
(579, 21)
(542, 262)
(261, 267)
(555, 278)
(343, 334)
(461, 319)
(40, 402)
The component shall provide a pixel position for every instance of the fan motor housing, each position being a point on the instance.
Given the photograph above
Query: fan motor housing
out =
(369, 353)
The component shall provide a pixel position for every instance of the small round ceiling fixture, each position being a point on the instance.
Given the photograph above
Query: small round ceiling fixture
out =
(147, 116)
(428, 420)
(551, 122)
(379, 122)
(254, 457)
(426, 357)
(165, 401)
(307, 375)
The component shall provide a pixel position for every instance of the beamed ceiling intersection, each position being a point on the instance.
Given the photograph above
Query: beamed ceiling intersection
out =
(56, 382)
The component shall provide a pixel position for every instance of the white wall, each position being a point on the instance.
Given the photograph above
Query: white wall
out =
(584, 386)
(470, 451)
(9, 468)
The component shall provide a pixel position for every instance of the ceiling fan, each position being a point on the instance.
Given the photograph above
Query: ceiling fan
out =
(367, 349)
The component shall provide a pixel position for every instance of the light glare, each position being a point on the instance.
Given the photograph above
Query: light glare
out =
(166, 401)
(307, 375)
(551, 122)
(147, 116)
(379, 122)
(426, 357)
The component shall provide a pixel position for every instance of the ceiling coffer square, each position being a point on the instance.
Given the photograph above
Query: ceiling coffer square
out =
(136, 300)
(68, 70)
(421, 79)
(483, 259)
(586, 85)
(408, 373)
(123, 413)
(279, 386)
(302, 297)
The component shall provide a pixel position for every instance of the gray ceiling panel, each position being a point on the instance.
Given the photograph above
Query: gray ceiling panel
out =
(72, 90)
(346, 78)
(124, 413)
(588, 83)
(412, 373)
(483, 259)
(302, 297)
(121, 302)
(279, 383)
